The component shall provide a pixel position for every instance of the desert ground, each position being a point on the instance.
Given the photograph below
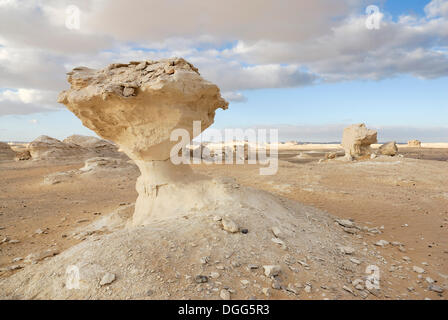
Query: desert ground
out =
(390, 212)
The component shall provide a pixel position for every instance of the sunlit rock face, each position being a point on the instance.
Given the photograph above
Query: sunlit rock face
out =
(356, 140)
(137, 105)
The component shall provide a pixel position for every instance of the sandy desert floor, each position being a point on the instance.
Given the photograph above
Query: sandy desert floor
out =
(403, 200)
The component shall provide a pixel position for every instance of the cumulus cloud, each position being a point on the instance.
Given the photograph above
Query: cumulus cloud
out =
(24, 101)
(233, 96)
(240, 45)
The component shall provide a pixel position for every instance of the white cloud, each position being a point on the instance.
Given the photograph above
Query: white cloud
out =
(240, 45)
(233, 96)
(23, 101)
(437, 8)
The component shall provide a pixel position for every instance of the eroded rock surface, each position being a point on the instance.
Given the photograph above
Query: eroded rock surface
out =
(388, 149)
(6, 153)
(138, 105)
(414, 143)
(356, 140)
(45, 147)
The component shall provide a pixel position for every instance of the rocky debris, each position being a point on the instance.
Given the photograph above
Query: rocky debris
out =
(224, 294)
(382, 243)
(102, 163)
(36, 257)
(229, 225)
(201, 279)
(266, 292)
(429, 280)
(346, 250)
(23, 156)
(418, 269)
(276, 231)
(414, 143)
(161, 254)
(166, 95)
(331, 155)
(358, 284)
(6, 153)
(356, 140)
(388, 149)
(436, 288)
(355, 261)
(272, 270)
(345, 223)
(59, 177)
(108, 278)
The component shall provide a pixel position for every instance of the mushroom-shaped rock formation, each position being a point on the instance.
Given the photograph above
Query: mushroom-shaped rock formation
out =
(356, 140)
(137, 105)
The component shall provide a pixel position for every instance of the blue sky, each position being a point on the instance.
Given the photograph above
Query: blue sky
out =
(334, 74)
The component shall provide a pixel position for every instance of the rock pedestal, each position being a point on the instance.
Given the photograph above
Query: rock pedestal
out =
(137, 105)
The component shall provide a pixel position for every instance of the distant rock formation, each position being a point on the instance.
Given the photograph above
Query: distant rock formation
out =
(101, 147)
(75, 147)
(138, 105)
(23, 155)
(414, 143)
(388, 149)
(45, 147)
(6, 153)
(356, 141)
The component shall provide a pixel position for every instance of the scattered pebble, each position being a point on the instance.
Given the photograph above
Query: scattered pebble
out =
(435, 288)
(224, 294)
(229, 225)
(418, 269)
(272, 270)
(201, 279)
(108, 278)
(346, 250)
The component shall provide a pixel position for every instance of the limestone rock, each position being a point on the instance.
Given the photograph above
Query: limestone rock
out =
(141, 123)
(102, 163)
(22, 156)
(356, 140)
(45, 147)
(6, 153)
(272, 270)
(229, 225)
(108, 278)
(166, 95)
(414, 143)
(388, 149)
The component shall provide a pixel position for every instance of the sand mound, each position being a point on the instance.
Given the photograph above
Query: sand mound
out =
(191, 256)
(6, 153)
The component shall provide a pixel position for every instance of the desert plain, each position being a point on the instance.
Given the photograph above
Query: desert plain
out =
(336, 218)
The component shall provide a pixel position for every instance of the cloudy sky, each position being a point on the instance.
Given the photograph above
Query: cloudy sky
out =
(306, 67)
